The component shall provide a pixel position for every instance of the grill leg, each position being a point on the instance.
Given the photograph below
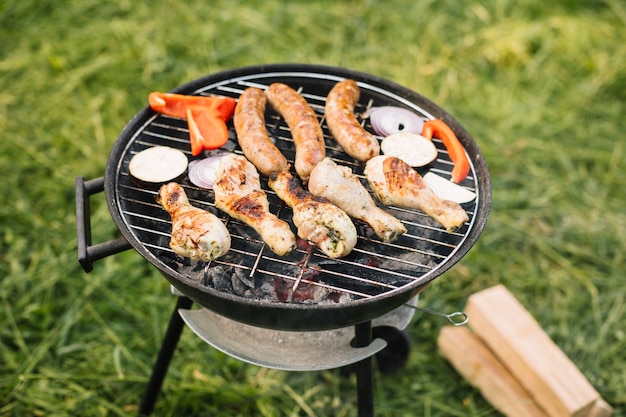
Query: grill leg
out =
(364, 375)
(174, 330)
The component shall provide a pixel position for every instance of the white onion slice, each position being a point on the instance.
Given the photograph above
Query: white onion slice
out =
(202, 172)
(448, 190)
(158, 164)
(387, 120)
(412, 148)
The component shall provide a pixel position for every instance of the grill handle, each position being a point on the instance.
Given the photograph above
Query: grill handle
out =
(88, 253)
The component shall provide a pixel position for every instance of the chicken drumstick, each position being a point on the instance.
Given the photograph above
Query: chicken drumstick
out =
(317, 219)
(196, 233)
(396, 183)
(339, 185)
(238, 193)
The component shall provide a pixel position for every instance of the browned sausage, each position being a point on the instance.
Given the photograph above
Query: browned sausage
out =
(344, 126)
(306, 131)
(249, 120)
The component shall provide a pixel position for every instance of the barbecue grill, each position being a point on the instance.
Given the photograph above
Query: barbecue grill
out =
(304, 293)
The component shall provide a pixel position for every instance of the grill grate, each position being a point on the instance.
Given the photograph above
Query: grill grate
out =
(372, 269)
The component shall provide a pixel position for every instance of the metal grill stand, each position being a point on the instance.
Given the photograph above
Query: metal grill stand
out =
(172, 335)
(285, 350)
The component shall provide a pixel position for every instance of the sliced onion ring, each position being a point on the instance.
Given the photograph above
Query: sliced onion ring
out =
(387, 120)
(202, 172)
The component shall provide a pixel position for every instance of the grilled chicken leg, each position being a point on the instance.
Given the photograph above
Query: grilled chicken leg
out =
(339, 185)
(196, 233)
(317, 219)
(238, 193)
(395, 183)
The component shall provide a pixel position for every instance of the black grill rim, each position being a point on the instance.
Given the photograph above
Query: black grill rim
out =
(293, 315)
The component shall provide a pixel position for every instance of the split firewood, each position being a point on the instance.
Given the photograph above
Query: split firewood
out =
(543, 369)
(479, 366)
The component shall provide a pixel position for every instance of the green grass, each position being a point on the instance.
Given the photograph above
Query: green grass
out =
(540, 85)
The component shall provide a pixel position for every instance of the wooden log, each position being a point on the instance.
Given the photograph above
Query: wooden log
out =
(516, 338)
(479, 366)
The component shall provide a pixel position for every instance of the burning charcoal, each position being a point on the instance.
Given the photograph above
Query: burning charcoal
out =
(266, 291)
(244, 277)
(334, 297)
(219, 278)
(238, 286)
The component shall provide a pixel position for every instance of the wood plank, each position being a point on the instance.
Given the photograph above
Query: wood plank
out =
(516, 338)
(601, 409)
(479, 366)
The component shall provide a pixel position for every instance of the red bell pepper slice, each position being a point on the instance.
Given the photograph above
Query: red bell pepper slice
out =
(206, 117)
(206, 131)
(175, 105)
(438, 128)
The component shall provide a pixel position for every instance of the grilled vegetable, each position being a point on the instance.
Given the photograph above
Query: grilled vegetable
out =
(438, 128)
(202, 173)
(412, 148)
(206, 117)
(387, 120)
(206, 132)
(176, 105)
(158, 164)
(448, 190)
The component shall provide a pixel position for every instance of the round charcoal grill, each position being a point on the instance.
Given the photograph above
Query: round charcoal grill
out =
(303, 290)
(302, 311)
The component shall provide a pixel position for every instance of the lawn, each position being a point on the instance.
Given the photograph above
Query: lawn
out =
(541, 86)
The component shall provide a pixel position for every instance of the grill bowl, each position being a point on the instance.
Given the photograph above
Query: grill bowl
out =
(373, 280)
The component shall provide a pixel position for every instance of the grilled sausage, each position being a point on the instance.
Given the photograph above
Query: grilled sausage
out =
(344, 126)
(306, 131)
(249, 120)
